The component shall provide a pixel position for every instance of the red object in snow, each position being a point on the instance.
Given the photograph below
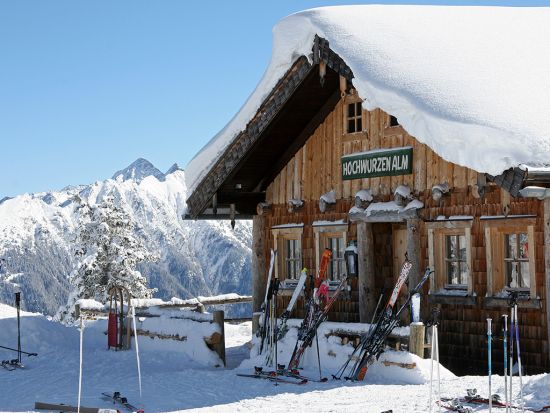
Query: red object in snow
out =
(112, 330)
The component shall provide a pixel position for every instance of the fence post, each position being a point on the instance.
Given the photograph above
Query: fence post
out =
(219, 348)
(416, 339)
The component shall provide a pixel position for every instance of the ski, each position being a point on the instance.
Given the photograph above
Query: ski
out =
(308, 330)
(496, 401)
(271, 376)
(282, 371)
(360, 348)
(116, 398)
(372, 343)
(283, 329)
(68, 408)
(262, 331)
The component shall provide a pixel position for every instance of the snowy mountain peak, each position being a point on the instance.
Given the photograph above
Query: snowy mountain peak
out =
(138, 170)
(173, 169)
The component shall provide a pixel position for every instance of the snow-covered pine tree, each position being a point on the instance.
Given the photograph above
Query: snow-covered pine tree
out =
(107, 252)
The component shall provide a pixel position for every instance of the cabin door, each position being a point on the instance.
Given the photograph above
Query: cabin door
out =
(399, 248)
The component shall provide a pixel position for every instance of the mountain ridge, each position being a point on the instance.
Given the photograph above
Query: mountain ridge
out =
(197, 257)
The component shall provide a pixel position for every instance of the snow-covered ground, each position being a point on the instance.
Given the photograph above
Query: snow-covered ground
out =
(177, 377)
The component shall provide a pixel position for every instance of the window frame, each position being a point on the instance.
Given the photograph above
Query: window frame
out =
(495, 231)
(281, 234)
(437, 252)
(349, 100)
(324, 232)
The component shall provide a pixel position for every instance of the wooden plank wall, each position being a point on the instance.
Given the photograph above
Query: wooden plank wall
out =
(316, 169)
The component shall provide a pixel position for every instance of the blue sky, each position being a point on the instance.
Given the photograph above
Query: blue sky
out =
(87, 87)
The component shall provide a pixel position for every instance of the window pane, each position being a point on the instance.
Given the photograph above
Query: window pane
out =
(523, 246)
(452, 272)
(451, 246)
(462, 247)
(524, 270)
(351, 110)
(359, 125)
(463, 274)
(351, 126)
(512, 273)
(511, 246)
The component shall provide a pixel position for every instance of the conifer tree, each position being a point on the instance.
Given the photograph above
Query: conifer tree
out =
(107, 252)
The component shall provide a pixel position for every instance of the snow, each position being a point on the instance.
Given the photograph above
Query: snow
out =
(364, 195)
(290, 225)
(329, 197)
(469, 82)
(325, 223)
(177, 378)
(403, 190)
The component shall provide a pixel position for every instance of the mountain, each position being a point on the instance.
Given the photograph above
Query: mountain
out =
(137, 170)
(196, 257)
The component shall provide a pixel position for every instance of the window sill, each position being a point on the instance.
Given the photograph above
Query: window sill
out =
(454, 296)
(504, 302)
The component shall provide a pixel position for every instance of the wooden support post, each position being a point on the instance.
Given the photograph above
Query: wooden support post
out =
(365, 251)
(413, 250)
(258, 264)
(547, 272)
(219, 348)
(416, 339)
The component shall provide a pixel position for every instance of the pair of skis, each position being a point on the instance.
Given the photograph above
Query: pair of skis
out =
(372, 343)
(117, 398)
(459, 404)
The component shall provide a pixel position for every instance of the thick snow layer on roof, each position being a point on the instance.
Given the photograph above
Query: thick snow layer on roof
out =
(470, 82)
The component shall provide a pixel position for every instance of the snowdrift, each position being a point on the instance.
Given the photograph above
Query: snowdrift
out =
(334, 354)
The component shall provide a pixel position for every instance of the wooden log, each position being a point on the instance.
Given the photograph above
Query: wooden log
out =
(220, 346)
(258, 262)
(68, 408)
(409, 366)
(416, 339)
(366, 286)
(413, 250)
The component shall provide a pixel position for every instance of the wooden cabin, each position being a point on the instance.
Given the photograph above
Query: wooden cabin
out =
(314, 170)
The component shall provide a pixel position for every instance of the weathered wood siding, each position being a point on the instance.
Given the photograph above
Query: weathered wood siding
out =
(316, 169)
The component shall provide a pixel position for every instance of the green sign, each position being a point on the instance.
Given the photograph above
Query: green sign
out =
(380, 162)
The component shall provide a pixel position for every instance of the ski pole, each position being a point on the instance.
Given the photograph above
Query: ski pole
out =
(22, 352)
(18, 305)
(505, 333)
(489, 335)
(519, 355)
(438, 371)
(511, 353)
(80, 364)
(431, 366)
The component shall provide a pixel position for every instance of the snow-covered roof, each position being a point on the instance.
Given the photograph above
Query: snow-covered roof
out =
(473, 83)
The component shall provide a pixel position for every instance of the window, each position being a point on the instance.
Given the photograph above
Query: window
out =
(292, 257)
(455, 260)
(354, 118)
(393, 121)
(287, 240)
(510, 254)
(331, 235)
(450, 255)
(336, 268)
(516, 259)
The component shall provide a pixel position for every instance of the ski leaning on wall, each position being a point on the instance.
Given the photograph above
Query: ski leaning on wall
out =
(262, 332)
(372, 343)
(283, 328)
